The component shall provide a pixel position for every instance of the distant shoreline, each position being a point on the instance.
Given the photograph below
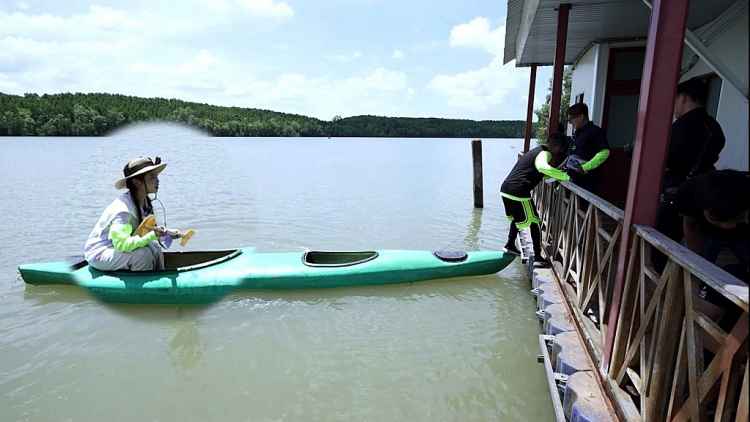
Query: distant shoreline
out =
(101, 114)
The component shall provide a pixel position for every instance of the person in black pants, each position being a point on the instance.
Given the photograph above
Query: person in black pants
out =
(530, 169)
(589, 149)
(694, 147)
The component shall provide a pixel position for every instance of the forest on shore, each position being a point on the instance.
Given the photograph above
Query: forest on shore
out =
(99, 114)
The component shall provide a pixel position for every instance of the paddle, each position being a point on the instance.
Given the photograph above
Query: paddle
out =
(149, 224)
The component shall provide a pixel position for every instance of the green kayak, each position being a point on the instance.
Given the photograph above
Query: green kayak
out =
(203, 277)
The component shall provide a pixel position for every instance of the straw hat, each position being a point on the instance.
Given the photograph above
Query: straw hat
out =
(138, 167)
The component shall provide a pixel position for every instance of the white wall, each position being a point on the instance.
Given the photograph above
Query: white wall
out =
(583, 77)
(590, 77)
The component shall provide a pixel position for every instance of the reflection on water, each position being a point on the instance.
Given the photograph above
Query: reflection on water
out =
(472, 231)
(185, 348)
(459, 349)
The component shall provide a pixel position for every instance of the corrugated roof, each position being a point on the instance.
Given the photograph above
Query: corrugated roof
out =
(531, 25)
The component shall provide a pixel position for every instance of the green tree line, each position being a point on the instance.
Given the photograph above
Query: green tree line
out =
(98, 114)
(542, 113)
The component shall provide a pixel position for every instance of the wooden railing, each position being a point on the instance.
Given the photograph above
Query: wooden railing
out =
(681, 340)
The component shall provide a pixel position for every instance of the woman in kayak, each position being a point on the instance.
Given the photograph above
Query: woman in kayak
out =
(113, 244)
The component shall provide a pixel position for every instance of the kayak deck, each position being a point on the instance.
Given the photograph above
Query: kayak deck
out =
(201, 277)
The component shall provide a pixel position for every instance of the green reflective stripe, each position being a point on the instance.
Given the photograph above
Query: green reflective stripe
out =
(531, 217)
(542, 165)
(596, 161)
(515, 198)
(120, 235)
(528, 211)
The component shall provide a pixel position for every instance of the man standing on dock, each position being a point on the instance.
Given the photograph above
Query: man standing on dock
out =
(516, 191)
(694, 147)
(589, 149)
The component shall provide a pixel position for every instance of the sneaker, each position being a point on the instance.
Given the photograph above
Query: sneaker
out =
(511, 249)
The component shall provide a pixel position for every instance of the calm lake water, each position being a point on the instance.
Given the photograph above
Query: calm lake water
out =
(453, 350)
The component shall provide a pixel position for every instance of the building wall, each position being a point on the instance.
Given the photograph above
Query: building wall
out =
(583, 79)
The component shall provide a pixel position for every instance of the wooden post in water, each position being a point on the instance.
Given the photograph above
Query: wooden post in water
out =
(476, 153)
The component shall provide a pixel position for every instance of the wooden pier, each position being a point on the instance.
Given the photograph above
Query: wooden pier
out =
(676, 356)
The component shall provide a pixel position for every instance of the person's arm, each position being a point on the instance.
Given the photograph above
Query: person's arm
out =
(709, 154)
(597, 160)
(542, 165)
(123, 239)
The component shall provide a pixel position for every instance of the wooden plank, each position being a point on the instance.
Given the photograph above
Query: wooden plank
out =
(694, 352)
(724, 283)
(711, 328)
(645, 319)
(673, 314)
(678, 385)
(476, 153)
(723, 395)
(720, 363)
(606, 207)
(621, 340)
(635, 379)
(742, 405)
(603, 263)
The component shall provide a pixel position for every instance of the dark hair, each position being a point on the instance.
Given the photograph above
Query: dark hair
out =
(695, 88)
(721, 193)
(132, 188)
(578, 109)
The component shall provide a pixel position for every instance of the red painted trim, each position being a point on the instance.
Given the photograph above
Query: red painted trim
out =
(529, 109)
(562, 38)
(658, 87)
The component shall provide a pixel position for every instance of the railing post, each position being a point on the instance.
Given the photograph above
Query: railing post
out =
(529, 109)
(562, 37)
(476, 153)
(658, 87)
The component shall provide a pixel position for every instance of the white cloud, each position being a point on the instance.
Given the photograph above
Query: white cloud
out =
(501, 89)
(483, 88)
(169, 53)
(267, 8)
(478, 34)
(22, 5)
(379, 89)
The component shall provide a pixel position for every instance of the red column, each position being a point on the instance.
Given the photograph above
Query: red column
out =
(658, 86)
(562, 38)
(529, 109)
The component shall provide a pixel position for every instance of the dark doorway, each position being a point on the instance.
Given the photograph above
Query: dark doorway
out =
(619, 120)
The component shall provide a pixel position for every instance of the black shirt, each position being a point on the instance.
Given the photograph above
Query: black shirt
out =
(694, 147)
(524, 175)
(588, 140)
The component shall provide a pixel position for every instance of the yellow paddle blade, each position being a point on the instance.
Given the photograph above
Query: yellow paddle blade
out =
(146, 225)
(186, 236)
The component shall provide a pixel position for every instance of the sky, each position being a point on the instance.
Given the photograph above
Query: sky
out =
(320, 58)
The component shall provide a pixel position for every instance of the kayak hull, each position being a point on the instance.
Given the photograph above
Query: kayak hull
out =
(247, 269)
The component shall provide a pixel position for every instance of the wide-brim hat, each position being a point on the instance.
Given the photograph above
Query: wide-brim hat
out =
(138, 167)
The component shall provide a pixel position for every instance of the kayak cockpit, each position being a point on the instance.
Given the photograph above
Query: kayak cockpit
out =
(337, 259)
(193, 260)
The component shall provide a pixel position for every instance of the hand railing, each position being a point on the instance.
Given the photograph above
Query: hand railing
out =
(681, 340)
